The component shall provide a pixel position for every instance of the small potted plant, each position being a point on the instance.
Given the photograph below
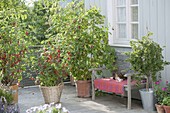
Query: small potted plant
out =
(166, 99)
(146, 60)
(160, 92)
(166, 103)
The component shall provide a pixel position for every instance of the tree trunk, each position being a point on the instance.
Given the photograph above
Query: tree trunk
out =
(147, 83)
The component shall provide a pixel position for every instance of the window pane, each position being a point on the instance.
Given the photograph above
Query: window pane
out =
(121, 2)
(134, 14)
(121, 30)
(121, 14)
(134, 31)
(134, 2)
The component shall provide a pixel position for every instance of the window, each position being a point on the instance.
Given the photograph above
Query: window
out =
(123, 19)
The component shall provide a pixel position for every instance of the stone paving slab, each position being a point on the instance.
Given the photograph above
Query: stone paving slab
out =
(31, 96)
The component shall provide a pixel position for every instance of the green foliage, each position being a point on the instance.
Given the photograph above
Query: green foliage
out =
(7, 95)
(78, 34)
(51, 65)
(100, 93)
(81, 34)
(39, 18)
(146, 57)
(14, 40)
(161, 92)
(166, 101)
(51, 68)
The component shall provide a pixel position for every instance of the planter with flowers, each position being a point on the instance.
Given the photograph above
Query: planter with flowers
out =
(166, 103)
(146, 59)
(14, 37)
(160, 93)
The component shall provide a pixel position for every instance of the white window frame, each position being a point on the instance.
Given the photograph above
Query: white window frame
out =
(111, 14)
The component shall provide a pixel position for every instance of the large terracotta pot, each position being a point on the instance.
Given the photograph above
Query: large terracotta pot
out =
(14, 90)
(83, 88)
(52, 94)
(160, 108)
(167, 109)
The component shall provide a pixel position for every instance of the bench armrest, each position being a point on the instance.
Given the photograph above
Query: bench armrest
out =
(94, 72)
(128, 74)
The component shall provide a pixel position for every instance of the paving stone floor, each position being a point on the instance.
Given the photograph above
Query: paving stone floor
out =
(31, 96)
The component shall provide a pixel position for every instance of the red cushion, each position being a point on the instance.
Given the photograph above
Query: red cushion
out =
(110, 85)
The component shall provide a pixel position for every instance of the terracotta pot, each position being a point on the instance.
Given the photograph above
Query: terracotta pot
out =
(14, 89)
(160, 108)
(83, 88)
(167, 109)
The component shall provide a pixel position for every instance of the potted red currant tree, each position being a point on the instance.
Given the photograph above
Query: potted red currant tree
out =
(82, 36)
(14, 42)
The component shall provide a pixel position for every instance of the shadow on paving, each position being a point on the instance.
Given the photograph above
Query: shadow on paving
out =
(31, 96)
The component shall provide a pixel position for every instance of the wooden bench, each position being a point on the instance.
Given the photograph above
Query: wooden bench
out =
(127, 87)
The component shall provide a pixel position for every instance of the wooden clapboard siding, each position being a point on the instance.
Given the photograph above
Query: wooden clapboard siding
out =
(161, 28)
(143, 17)
(153, 14)
(167, 35)
(155, 17)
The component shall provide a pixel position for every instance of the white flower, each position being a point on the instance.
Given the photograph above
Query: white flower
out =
(34, 108)
(40, 108)
(28, 111)
(50, 110)
(58, 106)
(51, 104)
(64, 110)
(45, 106)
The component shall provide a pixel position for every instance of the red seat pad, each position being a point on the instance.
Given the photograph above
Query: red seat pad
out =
(111, 85)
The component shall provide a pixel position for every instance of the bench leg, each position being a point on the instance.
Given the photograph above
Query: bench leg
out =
(93, 89)
(93, 94)
(129, 92)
